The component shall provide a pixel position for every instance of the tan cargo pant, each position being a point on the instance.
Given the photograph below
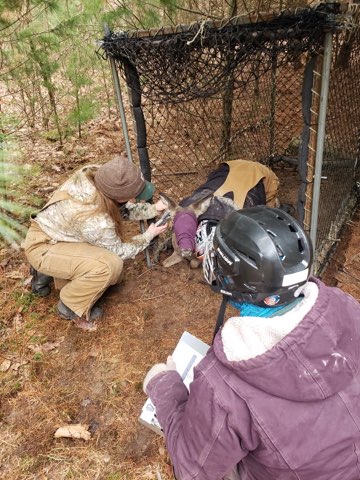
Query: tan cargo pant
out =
(83, 272)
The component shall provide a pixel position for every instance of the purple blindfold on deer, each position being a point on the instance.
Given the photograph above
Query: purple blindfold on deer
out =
(185, 225)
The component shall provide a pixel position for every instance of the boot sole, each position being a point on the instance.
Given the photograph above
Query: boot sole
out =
(43, 292)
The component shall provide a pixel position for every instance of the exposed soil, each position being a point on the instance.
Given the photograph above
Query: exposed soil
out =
(53, 374)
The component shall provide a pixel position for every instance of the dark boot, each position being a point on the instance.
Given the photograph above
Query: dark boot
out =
(85, 324)
(40, 283)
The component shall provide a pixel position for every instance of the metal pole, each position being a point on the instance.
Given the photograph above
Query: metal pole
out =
(311, 117)
(321, 136)
(273, 102)
(116, 82)
(120, 103)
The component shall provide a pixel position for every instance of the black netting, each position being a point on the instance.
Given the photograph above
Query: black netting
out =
(211, 92)
(198, 62)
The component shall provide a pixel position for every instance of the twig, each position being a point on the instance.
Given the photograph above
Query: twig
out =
(191, 172)
(8, 443)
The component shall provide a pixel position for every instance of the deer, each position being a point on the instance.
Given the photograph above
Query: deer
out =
(235, 184)
(183, 241)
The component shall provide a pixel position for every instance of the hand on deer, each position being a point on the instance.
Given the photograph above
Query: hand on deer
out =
(155, 231)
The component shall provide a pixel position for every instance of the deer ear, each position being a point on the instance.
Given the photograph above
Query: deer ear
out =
(170, 204)
(202, 205)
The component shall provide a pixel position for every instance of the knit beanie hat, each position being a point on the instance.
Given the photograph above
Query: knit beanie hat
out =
(120, 179)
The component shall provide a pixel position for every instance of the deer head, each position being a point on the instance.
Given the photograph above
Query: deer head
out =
(184, 225)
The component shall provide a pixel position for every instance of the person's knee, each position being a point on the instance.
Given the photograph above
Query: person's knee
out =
(110, 266)
(117, 266)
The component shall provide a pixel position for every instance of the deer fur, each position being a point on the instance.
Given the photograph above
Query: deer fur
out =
(198, 208)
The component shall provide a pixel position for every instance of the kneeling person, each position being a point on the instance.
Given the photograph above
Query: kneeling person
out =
(77, 237)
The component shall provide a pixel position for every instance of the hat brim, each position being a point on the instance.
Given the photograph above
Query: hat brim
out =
(147, 192)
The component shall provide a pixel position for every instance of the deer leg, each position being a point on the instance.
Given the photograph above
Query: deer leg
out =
(172, 260)
(175, 257)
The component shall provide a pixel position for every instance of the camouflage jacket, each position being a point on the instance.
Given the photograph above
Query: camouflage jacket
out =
(72, 219)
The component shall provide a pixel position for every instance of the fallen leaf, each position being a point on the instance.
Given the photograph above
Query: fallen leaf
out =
(35, 348)
(73, 431)
(4, 367)
(47, 346)
(52, 345)
(16, 365)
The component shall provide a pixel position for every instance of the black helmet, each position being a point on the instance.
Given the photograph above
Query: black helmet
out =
(259, 255)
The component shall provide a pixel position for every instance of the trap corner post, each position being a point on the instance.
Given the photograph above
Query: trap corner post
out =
(117, 88)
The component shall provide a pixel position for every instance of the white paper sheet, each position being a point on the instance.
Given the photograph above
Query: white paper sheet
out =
(187, 354)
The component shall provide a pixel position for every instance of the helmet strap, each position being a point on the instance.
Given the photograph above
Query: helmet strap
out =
(221, 315)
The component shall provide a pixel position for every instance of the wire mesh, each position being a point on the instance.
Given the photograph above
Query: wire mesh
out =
(341, 170)
(212, 93)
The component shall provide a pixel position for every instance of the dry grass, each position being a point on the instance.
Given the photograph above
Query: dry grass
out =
(53, 374)
(59, 375)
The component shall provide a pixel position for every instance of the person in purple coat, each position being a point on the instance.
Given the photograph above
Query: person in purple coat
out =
(277, 394)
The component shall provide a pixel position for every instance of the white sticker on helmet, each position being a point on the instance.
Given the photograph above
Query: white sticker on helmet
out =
(294, 278)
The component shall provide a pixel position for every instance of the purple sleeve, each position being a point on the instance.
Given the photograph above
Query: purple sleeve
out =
(200, 439)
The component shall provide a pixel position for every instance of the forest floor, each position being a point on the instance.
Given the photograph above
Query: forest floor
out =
(53, 374)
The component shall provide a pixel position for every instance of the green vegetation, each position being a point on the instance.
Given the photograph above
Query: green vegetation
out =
(37, 357)
(11, 212)
(115, 476)
(24, 299)
(56, 80)
(48, 53)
